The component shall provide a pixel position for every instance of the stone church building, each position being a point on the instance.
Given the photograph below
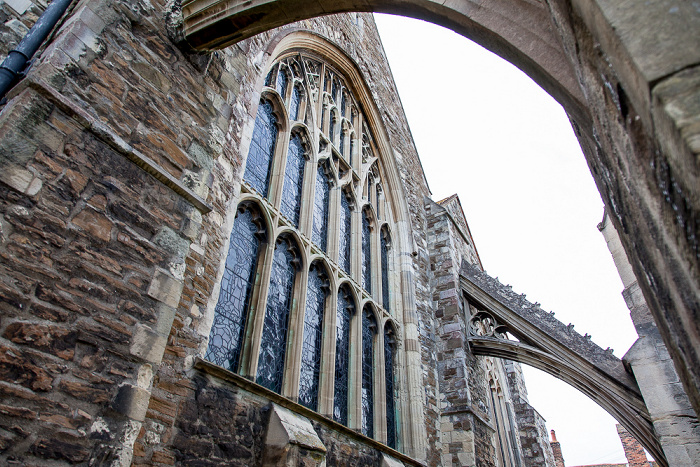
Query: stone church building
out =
(218, 245)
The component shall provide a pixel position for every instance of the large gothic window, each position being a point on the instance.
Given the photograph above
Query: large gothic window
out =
(369, 329)
(273, 346)
(262, 148)
(313, 333)
(288, 314)
(226, 336)
(346, 308)
(293, 179)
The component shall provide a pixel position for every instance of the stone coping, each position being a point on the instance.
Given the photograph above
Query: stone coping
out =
(252, 387)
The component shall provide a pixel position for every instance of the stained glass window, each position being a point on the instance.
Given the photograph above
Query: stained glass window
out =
(346, 308)
(313, 333)
(226, 336)
(366, 253)
(332, 128)
(352, 149)
(293, 180)
(279, 300)
(344, 233)
(385, 269)
(342, 143)
(262, 148)
(343, 101)
(295, 103)
(369, 327)
(281, 85)
(389, 346)
(334, 91)
(319, 233)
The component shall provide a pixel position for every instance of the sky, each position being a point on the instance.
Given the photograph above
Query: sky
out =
(486, 131)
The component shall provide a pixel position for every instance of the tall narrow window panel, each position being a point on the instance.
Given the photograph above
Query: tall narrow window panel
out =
(262, 149)
(344, 233)
(273, 346)
(384, 247)
(319, 233)
(313, 333)
(282, 83)
(293, 180)
(345, 309)
(389, 350)
(295, 103)
(366, 253)
(226, 336)
(369, 327)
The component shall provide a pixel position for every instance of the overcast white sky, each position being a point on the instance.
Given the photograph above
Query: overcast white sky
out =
(486, 131)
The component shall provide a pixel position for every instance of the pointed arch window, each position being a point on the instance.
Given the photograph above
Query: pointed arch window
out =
(319, 233)
(230, 315)
(317, 291)
(345, 232)
(384, 247)
(273, 346)
(344, 312)
(366, 253)
(293, 179)
(262, 148)
(389, 353)
(369, 330)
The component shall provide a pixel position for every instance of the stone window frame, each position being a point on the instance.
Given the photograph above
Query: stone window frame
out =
(500, 413)
(348, 172)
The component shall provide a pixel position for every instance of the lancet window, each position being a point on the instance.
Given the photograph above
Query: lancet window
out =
(304, 250)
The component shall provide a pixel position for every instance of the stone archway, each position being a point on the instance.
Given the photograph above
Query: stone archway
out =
(628, 77)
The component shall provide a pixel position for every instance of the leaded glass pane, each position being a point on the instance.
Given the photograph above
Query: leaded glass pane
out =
(319, 232)
(389, 346)
(311, 349)
(334, 91)
(226, 336)
(342, 143)
(332, 128)
(366, 254)
(344, 232)
(352, 150)
(385, 270)
(343, 101)
(293, 180)
(262, 148)
(295, 103)
(274, 336)
(342, 356)
(368, 331)
(281, 85)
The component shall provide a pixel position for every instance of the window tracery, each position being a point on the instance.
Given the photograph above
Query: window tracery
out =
(327, 227)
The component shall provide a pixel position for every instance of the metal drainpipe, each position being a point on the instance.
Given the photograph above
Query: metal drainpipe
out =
(13, 67)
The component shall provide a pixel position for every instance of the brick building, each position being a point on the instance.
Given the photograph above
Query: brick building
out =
(231, 257)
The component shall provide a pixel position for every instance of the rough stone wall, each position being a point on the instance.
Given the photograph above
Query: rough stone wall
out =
(16, 17)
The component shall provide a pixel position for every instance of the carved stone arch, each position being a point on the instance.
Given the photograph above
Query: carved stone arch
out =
(348, 287)
(385, 230)
(299, 128)
(261, 216)
(369, 304)
(321, 262)
(295, 245)
(279, 110)
(368, 209)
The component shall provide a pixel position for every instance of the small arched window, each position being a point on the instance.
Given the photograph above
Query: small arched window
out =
(295, 103)
(369, 330)
(293, 179)
(344, 312)
(262, 149)
(366, 253)
(344, 233)
(384, 247)
(273, 346)
(281, 84)
(319, 233)
(230, 315)
(310, 370)
(389, 353)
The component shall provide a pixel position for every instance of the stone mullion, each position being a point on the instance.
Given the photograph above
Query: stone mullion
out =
(355, 384)
(308, 193)
(380, 385)
(279, 164)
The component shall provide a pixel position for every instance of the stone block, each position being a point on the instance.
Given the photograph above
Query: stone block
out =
(165, 288)
(132, 401)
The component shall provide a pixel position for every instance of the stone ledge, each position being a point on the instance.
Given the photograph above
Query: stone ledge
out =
(248, 385)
